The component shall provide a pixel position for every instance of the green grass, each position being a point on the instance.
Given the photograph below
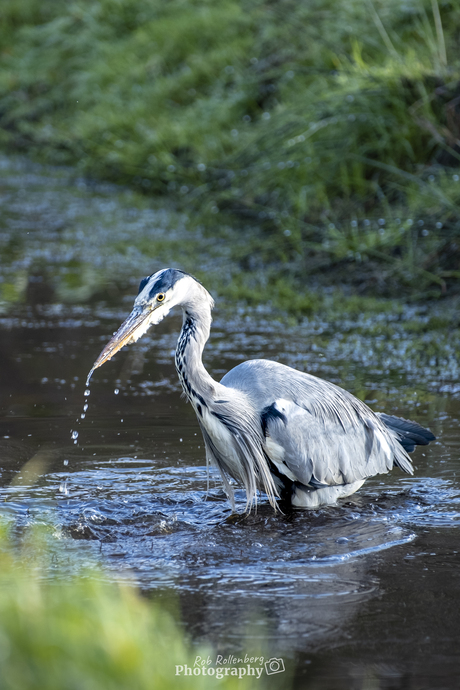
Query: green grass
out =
(79, 632)
(328, 129)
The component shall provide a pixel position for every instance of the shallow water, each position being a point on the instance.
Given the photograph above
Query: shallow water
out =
(363, 594)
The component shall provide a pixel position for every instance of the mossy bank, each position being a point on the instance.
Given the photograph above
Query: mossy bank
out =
(318, 140)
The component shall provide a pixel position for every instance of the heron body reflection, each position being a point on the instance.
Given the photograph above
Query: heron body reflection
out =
(268, 426)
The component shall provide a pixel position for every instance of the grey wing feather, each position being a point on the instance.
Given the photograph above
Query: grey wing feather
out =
(320, 452)
(320, 433)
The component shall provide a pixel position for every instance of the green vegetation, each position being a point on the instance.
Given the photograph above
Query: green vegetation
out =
(82, 632)
(329, 129)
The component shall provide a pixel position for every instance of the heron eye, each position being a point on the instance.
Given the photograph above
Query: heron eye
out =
(160, 297)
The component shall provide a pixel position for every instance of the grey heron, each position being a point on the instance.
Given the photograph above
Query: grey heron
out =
(268, 426)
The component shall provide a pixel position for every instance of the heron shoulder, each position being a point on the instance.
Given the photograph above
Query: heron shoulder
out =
(259, 374)
(265, 381)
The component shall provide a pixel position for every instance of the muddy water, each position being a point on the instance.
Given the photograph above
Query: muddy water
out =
(363, 594)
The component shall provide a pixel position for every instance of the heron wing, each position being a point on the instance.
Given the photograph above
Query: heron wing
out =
(319, 451)
(316, 433)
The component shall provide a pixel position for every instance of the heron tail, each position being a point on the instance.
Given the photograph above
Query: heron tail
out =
(410, 434)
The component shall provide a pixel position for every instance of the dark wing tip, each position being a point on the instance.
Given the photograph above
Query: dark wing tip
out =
(410, 433)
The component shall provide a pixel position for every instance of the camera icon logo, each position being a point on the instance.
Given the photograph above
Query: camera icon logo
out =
(274, 666)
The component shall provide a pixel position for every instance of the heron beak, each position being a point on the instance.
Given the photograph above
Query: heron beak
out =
(131, 330)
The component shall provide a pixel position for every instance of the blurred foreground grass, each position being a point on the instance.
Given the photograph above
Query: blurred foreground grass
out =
(83, 632)
(326, 133)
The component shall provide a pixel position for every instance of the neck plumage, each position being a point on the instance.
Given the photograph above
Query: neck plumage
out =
(198, 385)
(233, 438)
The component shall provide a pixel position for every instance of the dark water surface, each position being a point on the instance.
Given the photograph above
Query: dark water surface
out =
(364, 594)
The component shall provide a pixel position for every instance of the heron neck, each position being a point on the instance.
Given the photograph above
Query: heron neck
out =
(195, 380)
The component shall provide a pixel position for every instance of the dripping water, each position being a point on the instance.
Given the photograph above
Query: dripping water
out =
(73, 433)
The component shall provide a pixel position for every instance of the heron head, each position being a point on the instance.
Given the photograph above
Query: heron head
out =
(157, 295)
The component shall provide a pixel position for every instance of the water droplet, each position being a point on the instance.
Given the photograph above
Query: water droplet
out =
(82, 416)
(342, 540)
(74, 435)
(87, 392)
(116, 391)
(85, 407)
(88, 378)
(66, 462)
